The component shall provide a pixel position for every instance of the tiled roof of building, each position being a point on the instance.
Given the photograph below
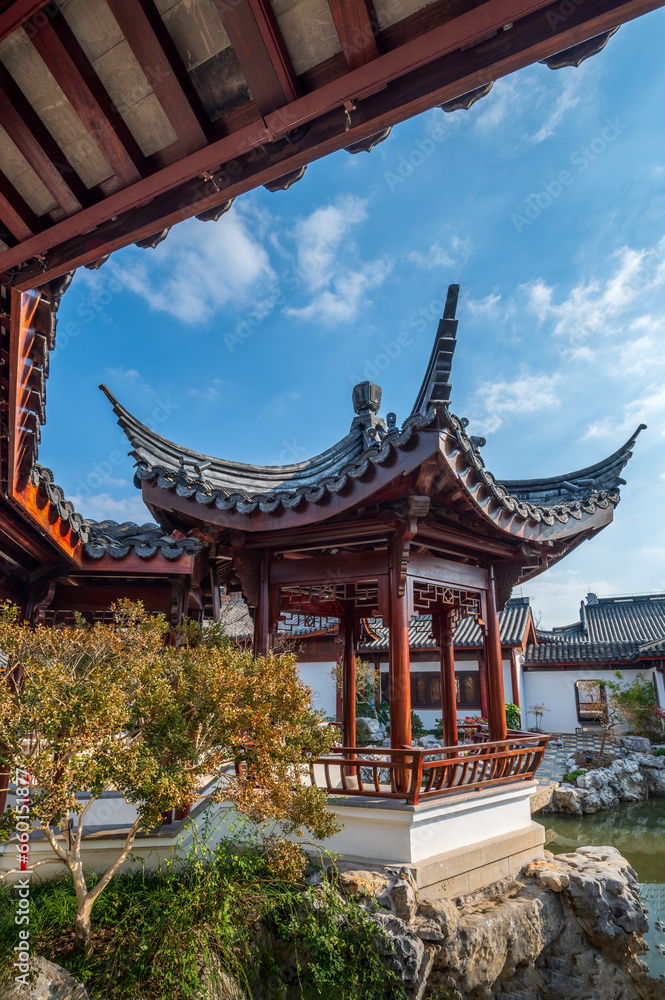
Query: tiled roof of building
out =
(639, 618)
(574, 651)
(610, 630)
(144, 539)
(514, 622)
(372, 442)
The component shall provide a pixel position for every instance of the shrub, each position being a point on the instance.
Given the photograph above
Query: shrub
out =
(635, 703)
(513, 716)
(417, 727)
(572, 776)
(155, 933)
(660, 752)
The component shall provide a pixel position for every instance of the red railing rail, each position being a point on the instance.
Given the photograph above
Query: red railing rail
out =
(417, 774)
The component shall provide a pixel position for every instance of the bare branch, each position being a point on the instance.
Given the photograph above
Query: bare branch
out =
(108, 875)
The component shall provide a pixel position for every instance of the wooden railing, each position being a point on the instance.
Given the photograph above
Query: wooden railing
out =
(415, 774)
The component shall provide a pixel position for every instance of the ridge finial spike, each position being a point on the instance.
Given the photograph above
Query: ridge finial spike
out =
(451, 302)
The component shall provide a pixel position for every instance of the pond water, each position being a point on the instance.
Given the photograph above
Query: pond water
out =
(638, 832)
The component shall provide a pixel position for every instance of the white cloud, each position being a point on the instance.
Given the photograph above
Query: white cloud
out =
(347, 294)
(489, 306)
(320, 235)
(568, 99)
(494, 402)
(648, 408)
(102, 507)
(201, 267)
(556, 595)
(458, 252)
(594, 307)
(329, 265)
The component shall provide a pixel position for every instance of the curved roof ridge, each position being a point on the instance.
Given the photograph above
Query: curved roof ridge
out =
(604, 475)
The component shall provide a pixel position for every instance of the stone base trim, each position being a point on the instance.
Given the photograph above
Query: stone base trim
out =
(467, 869)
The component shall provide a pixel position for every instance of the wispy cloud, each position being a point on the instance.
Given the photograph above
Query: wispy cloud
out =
(567, 100)
(494, 403)
(456, 253)
(102, 506)
(201, 267)
(329, 265)
(593, 307)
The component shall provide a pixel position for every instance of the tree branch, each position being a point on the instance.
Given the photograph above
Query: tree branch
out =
(108, 875)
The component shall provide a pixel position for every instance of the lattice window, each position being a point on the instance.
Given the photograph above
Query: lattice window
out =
(427, 597)
(364, 595)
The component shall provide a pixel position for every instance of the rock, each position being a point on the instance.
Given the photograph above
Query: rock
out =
(403, 896)
(637, 743)
(655, 780)
(363, 883)
(428, 741)
(401, 949)
(568, 799)
(370, 729)
(50, 982)
(443, 912)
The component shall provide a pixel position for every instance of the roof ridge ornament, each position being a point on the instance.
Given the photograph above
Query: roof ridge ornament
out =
(435, 389)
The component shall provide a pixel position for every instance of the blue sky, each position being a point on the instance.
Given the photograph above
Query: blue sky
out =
(546, 202)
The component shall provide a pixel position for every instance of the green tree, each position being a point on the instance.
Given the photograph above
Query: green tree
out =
(106, 707)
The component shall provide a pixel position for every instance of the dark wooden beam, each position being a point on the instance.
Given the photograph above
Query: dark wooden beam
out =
(33, 140)
(15, 213)
(59, 48)
(259, 47)
(149, 40)
(354, 28)
(17, 12)
(529, 40)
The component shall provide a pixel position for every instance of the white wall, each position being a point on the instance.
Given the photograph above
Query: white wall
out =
(320, 678)
(556, 689)
(660, 687)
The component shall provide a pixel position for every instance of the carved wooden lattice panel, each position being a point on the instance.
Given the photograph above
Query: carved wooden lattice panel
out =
(428, 597)
(364, 596)
(299, 624)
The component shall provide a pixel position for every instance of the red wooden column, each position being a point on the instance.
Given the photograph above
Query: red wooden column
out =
(400, 670)
(482, 683)
(445, 637)
(494, 667)
(262, 610)
(349, 681)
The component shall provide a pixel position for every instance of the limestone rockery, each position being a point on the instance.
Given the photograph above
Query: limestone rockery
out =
(627, 779)
(569, 928)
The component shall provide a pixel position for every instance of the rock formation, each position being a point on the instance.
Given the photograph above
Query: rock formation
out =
(570, 928)
(628, 779)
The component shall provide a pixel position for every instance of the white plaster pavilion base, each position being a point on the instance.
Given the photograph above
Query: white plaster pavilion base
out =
(393, 832)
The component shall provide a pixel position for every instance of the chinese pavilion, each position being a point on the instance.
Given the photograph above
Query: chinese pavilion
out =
(391, 523)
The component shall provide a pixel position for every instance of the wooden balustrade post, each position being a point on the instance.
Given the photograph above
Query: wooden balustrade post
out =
(349, 682)
(262, 610)
(448, 689)
(494, 667)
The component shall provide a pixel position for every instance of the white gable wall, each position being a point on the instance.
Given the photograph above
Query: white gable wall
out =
(556, 690)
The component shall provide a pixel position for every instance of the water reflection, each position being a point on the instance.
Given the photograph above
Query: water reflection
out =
(638, 832)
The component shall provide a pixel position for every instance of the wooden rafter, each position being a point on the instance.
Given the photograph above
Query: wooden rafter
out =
(17, 13)
(354, 28)
(33, 140)
(260, 49)
(15, 213)
(59, 48)
(418, 81)
(140, 23)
